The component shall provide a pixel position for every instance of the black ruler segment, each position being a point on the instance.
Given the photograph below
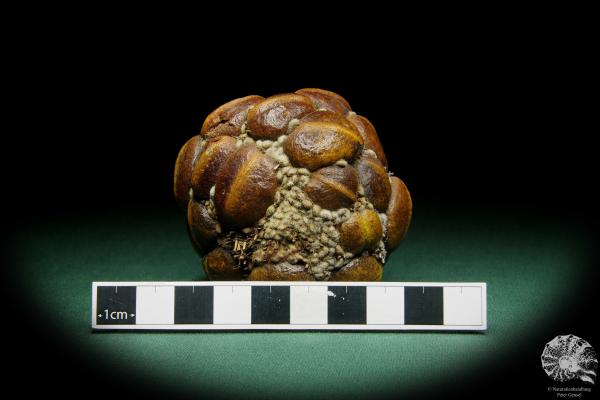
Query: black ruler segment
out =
(423, 306)
(270, 304)
(116, 305)
(194, 304)
(289, 305)
(347, 305)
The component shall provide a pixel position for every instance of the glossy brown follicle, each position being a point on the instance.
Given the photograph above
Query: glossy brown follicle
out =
(283, 271)
(375, 181)
(369, 135)
(324, 99)
(228, 119)
(399, 213)
(219, 265)
(362, 231)
(365, 268)
(329, 116)
(270, 118)
(317, 144)
(209, 161)
(202, 228)
(245, 187)
(184, 166)
(333, 187)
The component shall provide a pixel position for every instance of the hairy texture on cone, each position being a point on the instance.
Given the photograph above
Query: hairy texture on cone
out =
(291, 187)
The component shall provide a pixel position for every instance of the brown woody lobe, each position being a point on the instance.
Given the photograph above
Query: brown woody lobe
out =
(317, 144)
(201, 227)
(228, 119)
(326, 100)
(375, 181)
(362, 231)
(184, 166)
(333, 187)
(365, 268)
(367, 131)
(399, 213)
(209, 161)
(220, 266)
(270, 118)
(280, 272)
(245, 187)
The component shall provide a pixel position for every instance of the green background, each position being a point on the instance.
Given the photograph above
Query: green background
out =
(530, 262)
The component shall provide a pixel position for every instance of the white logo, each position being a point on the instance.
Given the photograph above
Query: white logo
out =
(568, 357)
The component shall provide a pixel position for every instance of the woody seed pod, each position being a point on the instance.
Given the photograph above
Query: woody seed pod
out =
(245, 187)
(291, 187)
(213, 155)
(228, 119)
(366, 129)
(220, 266)
(375, 181)
(361, 232)
(202, 228)
(280, 272)
(317, 144)
(184, 165)
(365, 268)
(324, 99)
(399, 213)
(333, 187)
(270, 118)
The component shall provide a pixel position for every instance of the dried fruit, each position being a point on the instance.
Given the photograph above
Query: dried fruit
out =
(333, 187)
(317, 144)
(245, 187)
(362, 231)
(184, 165)
(215, 153)
(399, 213)
(280, 272)
(375, 181)
(291, 187)
(270, 118)
(366, 129)
(219, 265)
(202, 228)
(326, 100)
(228, 119)
(329, 116)
(365, 268)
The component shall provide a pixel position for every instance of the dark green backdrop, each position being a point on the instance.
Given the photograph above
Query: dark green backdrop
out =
(532, 263)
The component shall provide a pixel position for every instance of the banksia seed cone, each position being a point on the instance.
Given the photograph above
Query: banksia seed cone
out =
(291, 187)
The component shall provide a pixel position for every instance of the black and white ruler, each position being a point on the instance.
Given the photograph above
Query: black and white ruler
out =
(289, 306)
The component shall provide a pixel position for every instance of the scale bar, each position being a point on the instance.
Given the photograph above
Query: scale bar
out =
(239, 305)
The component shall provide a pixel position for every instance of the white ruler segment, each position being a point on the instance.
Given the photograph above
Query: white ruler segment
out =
(236, 305)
